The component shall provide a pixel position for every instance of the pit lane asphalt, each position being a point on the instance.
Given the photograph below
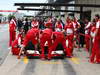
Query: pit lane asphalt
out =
(4, 38)
(78, 65)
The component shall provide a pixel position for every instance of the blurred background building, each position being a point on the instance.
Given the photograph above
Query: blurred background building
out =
(87, 11)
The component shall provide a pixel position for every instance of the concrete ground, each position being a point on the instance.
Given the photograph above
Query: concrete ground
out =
(4, 39)
(10, 65)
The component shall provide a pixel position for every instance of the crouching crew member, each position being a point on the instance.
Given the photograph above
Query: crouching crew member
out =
(46, 36)
(32, 35)
(58, 39)
(16, 45)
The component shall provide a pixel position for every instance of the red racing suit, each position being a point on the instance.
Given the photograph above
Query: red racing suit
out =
(59, 38)
(15, 45)
(69, 30)
(32, 35)
(12, 28)
(96, 45)
(46, 36)
(59, 25)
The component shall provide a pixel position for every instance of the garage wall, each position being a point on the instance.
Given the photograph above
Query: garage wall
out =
(93, 10)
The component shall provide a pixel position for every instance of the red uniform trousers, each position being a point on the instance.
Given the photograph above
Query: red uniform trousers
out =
(12, 36)
(70, 43)
(87, 41)
(43, 39)
(96, 50)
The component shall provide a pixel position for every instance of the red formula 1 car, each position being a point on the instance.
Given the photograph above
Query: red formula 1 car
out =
(31, 53)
